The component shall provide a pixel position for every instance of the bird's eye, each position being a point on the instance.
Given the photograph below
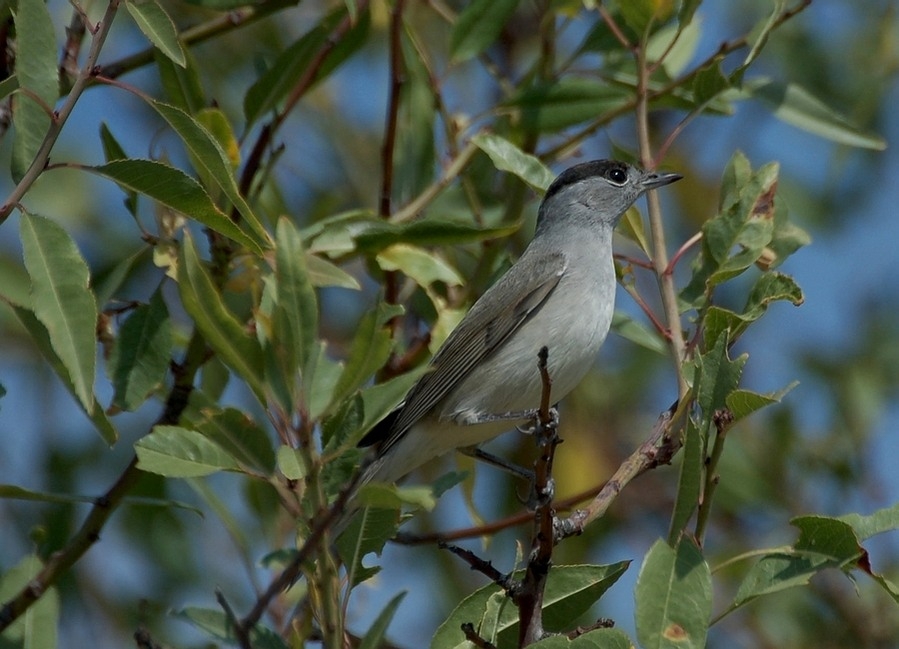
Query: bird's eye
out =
(617, 176)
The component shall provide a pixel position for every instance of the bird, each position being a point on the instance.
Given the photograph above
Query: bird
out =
(560, 294)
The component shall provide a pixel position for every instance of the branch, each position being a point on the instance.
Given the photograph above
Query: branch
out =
(658, 449)
(59, 121)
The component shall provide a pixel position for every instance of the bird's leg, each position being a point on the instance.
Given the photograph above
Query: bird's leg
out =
(553, 422)
(498, 462)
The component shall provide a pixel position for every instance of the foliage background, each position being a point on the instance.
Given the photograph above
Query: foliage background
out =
(829, 448)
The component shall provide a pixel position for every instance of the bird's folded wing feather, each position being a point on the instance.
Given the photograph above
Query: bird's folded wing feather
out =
(502, 309)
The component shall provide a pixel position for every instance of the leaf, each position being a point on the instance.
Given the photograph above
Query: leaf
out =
(829, 536)
(290, 463)
(478, 26)
(112, 150)
(630, 329)
(216, 164)
(371, 348)
(375, 235)
(596, 639)
(673, 596)
(779, 571)
(508, 157)
(298, 59)
(322, 272)
(419, 264)
(883, 520)
(219, 327)
(41, 338)
(181, 84)
(174, 189)
(37, 73)
(367, 532)
(142, 353)
(632, 227)
(177, 452)
(639, 13)
(743, 403)
(718, 376)
(689, 485)
(379, 400)
(217, 625)
(570, 590)
(38, 626)
(158, 27)
(796, 106)
(319, 380)
(415, 156)
(241, 437)
(62, 300)
(294, 317)
(558, 105)
(375, 635)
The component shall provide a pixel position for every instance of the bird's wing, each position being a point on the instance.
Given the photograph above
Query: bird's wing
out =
(500, 311)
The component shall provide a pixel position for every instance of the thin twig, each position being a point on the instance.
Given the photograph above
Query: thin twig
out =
(658, 449)
(61, 116)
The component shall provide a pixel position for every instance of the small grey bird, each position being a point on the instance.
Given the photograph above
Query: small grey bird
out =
(560, 294)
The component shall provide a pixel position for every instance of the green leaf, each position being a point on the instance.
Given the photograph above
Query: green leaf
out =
(142, 354)
(419, 264)
(743, 403)
(375, 635)
(639, 13)
(37, 627)
(222, 331)
(216, 164)
(796, 106)
(290, 463)
(371, 349)
(217, 625)
(637, 333)
(478, 26)
(828, 536)
(379, 400)
(596, 639)
(14, 492)
(632, 227)
(177, 452)
(319, 380)
(107, 287)
(158, 27)
(372, 236)
(36, 71)
(689, 485)
(718, 376)
(294, 317)
(508, 157)
(779, 571)
(174, 189)
(112, 150)
(570, 590)
(41, 338)
(322, 272)
(558, 105)
(367, 532)
(673, 596)
(883, 520)
(242, 438)
(181, 84)
(62, 300)
(297, 60)
(709, 82)
(415, 156)
(8, 86)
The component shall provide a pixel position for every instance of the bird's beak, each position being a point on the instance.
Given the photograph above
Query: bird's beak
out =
(651, 180)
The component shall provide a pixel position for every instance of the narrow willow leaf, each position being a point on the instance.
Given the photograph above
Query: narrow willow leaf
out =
(375, 635)
(219, 327)
(570, 590)
(689, 484)
(596, 639)
(62, 299)
(178, 191)
(373, 236)
(158, 27)
(36, 71)
(142, 354)
(371, 348)
(554, 106)
(673, 596)
(177, 452)
(323, 273)
(9, 85)
(883, 520)
(422, 266)
(181, 84)
(41, 338)
(508, 157)
(798, 107)
(217, 164)
(272, 87)
(219, 626)
(779, 571)
(37, 627)
(478, 26)
(241, 437)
